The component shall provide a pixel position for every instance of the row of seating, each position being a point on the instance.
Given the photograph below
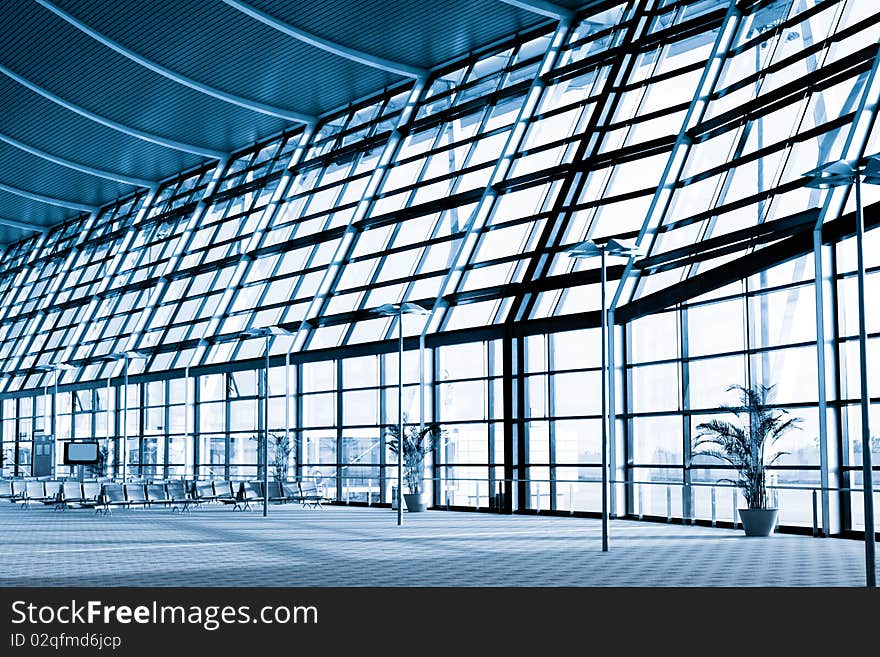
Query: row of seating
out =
(178, 495)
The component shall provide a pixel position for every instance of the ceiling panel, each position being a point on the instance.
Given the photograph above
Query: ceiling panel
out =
(207, 43)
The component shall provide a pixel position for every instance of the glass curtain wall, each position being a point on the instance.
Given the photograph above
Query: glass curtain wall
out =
(687, 124)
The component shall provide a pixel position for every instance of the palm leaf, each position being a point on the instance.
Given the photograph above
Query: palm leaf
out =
(417, 444)
(748, 445)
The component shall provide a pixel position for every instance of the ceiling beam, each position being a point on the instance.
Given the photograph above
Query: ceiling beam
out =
(114, 125)
(367, 59)
(254, 105)
(73, 205)
(23, 225)
(82, 168)
(543, 8)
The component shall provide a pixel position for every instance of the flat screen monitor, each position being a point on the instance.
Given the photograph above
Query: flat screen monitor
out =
(80, 453)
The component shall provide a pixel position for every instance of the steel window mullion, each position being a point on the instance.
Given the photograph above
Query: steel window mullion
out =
(166, 433)
(180, 248)
(227, 417)
(109, 275)
(341, 456)
(677, 157)
(480, 215)
(550, 405)
(491, 366)
(684, 366)
(52, 294)
(794, 136)
(587, 142)
(454, 178)
(268, 214)
(346, 242)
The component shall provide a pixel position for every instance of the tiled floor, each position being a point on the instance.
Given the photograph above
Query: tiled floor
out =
(346, 546)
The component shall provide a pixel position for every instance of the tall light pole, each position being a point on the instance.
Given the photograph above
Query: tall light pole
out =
(267, 332)
(398, 310)
(839, 174)
(125, 357)
(585, 251)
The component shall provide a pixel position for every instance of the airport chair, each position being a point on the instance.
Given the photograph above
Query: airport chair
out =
(225, 491)
(237, 499)
(91, 495)
(70, 493)
(178, 496)
(135, 495)
(205, 492)
(157, 494)
(250, 491)
(7, 491)
(19, 492)
(112, 495)
(52, 494)
(35, 491)
(310, 495)
(276, 494)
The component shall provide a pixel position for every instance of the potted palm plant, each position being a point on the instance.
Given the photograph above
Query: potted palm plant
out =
(417, 444)
(284, 448)
(750, 446)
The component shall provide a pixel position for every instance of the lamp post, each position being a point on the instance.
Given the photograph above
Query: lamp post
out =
(841, 173)
(584, 251)
(125, 357)
(267, 332)
(398, 310)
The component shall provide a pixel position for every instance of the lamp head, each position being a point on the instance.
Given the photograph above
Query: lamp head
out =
(622, 248)
(872, 170)
(52, 367)
(832, 174)
(613, 247)
(584, 250)
(395, 309)
(264, 332)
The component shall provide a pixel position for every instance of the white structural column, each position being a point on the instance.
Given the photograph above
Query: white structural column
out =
(343, 248)
(480, 215)
(265, 221)
(832, 208)
(195, 85)
(181, 247)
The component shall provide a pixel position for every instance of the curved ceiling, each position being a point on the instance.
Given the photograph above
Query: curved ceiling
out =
(100, 97)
